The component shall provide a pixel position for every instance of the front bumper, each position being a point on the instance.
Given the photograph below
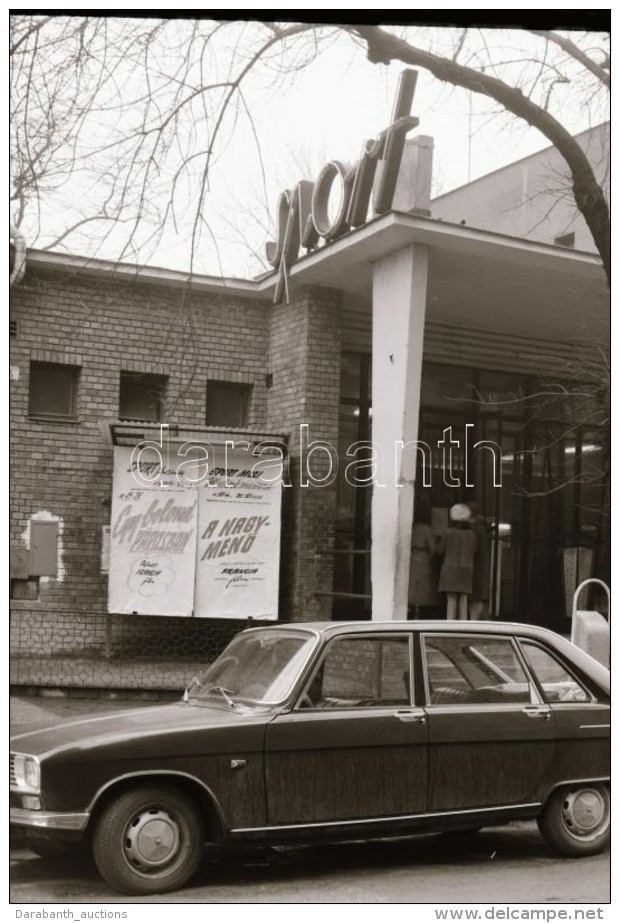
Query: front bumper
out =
(48, 820)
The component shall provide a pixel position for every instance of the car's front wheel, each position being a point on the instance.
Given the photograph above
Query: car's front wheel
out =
(149, 840)
(576, 819)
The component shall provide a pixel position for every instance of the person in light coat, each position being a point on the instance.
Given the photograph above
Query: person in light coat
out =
(456, 578)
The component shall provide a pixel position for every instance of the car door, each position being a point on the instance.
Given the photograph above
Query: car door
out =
(581, 719)
(355, 745)
(491, 737)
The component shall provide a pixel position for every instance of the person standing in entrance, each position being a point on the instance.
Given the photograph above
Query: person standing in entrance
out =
(422, 595)
(457, 570)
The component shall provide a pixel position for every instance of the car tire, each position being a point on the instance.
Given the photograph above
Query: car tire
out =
(576, 819)
(149, 840)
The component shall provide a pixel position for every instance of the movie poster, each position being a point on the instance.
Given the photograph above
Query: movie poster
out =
(152, 545)
(187, 538)
(237, 566)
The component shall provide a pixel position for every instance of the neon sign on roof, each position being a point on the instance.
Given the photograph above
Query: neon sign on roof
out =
(340, 197)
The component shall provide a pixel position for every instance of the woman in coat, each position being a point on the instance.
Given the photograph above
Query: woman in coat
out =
(456, 577)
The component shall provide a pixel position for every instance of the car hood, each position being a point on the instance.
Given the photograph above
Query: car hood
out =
(136, 724)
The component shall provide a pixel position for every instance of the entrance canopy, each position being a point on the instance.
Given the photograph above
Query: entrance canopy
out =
(475, 278)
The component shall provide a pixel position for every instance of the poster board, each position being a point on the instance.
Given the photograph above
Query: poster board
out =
(198, 540)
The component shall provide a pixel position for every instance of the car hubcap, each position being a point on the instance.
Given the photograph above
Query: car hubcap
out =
(152, 840)
(585, 812)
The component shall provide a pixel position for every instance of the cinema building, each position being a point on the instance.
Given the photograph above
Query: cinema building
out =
(455, 348)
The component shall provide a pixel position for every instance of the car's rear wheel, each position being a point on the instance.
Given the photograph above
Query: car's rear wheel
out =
(149, 840)
(576, 819)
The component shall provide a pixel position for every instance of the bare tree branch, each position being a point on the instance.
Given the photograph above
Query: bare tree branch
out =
(34, 26)
(575, 52)
(384, 47)
(136, 114)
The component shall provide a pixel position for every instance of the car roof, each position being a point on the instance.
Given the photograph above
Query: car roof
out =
(441, 625)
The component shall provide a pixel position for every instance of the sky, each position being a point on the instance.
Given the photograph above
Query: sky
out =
(301, 120)
(333, 106)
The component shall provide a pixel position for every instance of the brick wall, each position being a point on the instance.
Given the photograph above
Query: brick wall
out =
(304, 360)
(63, 470)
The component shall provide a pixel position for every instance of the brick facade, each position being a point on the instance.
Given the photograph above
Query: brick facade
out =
(62, 470)
(304, 359)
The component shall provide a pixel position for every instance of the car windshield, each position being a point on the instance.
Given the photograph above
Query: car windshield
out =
(257, 666)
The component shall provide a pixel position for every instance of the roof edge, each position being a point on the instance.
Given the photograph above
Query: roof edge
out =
(50, 261)
(422, 229)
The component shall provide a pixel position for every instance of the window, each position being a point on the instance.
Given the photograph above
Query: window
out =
(474, 670)
(53, 390)
(352, 570)
(361, 672)
(141, 397)
(557, 683)
(447, 387)
(228, 403)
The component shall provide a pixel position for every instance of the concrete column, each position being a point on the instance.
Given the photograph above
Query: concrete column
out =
(398, 309)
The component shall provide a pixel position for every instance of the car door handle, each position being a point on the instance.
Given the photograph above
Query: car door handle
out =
(537, 711)
(408, 714)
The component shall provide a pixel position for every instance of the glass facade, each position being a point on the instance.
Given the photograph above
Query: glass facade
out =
(533, 456)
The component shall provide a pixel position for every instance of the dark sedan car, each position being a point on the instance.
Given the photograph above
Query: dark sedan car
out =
(336, 730)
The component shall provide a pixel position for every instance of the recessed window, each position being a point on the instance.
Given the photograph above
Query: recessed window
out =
(141, 397)
(53, 390)
(227, 403)
(565, 240)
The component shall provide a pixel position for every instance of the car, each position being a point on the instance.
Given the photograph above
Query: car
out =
(301, 732)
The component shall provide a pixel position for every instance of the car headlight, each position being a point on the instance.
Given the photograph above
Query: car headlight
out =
(25, 772)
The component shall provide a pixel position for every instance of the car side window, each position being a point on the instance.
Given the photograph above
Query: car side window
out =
(473, 669)
(557, 683)
(361, 672)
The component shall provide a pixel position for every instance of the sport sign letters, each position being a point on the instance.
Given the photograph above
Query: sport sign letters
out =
(339, 199)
